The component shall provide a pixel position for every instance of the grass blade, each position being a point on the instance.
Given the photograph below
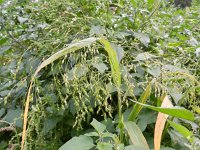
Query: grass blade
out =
(137, 107)
(135, 135)
(178, 112)
(182, 130)
(112, 54)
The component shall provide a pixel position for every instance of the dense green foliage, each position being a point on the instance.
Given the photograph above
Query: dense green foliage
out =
(106, 58)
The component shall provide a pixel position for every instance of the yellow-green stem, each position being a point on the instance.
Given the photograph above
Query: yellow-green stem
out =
(120, 123)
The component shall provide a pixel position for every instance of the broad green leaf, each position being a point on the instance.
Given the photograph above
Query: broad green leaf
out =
(182, 130)
(99, 127)
(173, 111)
(49, 124)
(13, 116)
(98, 30)
(78, 143)
(3, 49)
(72, 107)
(144, 56)
(154, 71)
(134, 147)
(92, 134)
(4, 93)
(31, 64)
(150, 2)
(144, 118)
(176, 96)
(166, 148)
(21, 19)
(1, 1)
(137, 107)
(120, 146)
(77, 72)
(108, 134)
(134, 3)
(101, 67)
(2, 111)
(172, 68)
(144, 39)
(104, 146)
(3, 40)
(110, 125)
(135, 134)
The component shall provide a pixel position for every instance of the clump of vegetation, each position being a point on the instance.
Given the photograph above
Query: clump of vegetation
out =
(93, 75)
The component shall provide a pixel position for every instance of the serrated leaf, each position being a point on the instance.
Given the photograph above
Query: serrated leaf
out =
(135, 134)
(78, 143)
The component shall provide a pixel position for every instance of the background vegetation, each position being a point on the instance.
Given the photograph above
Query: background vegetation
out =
(104, 57)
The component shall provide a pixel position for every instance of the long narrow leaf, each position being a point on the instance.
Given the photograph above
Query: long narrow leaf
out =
(112, 54)
(173, 111)
(182, 130)
(137, 107)
(160, 123)
(136, 135)
(116, 76)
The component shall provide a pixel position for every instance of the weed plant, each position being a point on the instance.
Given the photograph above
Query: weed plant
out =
(117, 50)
